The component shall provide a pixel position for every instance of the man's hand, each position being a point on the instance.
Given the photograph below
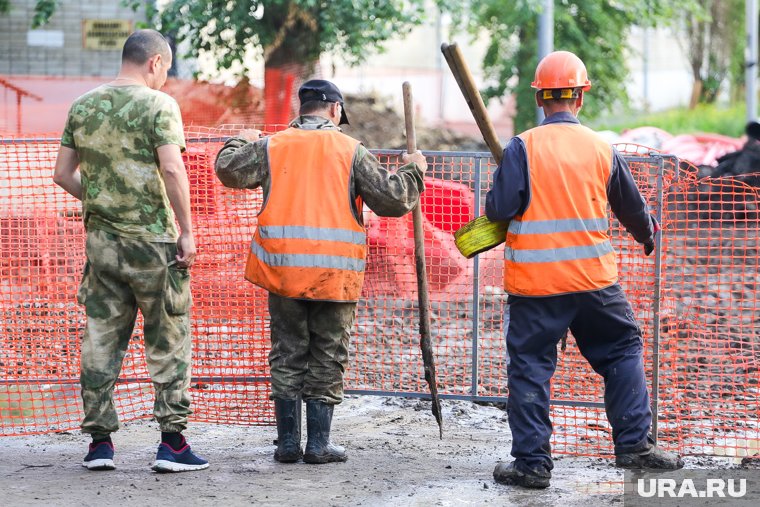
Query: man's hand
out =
(185, 250)
(649, 248)
(416, 158)
(649, 245)
(250, 135)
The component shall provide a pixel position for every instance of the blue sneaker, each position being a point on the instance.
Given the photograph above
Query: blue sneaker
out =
(99, 457)
(169, 460)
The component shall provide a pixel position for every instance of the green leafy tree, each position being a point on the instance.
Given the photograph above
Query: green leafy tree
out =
(287, 31)
(595, 30)
(713, 38)
(290, 34)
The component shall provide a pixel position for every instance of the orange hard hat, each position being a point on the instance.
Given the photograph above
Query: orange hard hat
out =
(561, 69)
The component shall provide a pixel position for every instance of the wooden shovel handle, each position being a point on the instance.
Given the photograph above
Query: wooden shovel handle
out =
(466, 83)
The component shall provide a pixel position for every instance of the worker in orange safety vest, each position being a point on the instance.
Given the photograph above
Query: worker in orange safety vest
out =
(554, 185)
(309, 252)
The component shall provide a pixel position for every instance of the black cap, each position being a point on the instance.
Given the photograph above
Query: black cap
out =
(324, 91)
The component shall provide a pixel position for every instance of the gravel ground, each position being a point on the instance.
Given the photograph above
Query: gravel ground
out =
(395, 459)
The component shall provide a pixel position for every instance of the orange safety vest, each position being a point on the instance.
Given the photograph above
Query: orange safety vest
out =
(308, 243)
(560, 243)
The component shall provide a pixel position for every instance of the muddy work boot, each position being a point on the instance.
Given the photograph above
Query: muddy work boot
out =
(510, 475)
(288, 416)
(318, 447)
(652, 458)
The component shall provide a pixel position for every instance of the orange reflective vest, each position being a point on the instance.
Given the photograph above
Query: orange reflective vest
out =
(560, 243)
(308, 243)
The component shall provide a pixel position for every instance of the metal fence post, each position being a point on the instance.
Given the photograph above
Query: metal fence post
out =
(476, 285)
(657, 301)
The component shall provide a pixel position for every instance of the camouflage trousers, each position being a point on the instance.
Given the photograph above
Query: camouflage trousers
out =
(309, 348)
(121, 276)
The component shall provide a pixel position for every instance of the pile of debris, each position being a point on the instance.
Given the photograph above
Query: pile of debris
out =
(744, 163)
(702, 150)
(376, 124)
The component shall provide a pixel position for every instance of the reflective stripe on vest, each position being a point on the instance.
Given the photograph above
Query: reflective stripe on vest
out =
(306, 260)
(563, 225)
(569, 253)
(560, 243)
(317, 233)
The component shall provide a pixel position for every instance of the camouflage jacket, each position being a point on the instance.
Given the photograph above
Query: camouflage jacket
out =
(115, 131)
(242, 164)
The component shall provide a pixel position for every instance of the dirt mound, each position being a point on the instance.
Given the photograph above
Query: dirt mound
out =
(373, 120)
(375, 123)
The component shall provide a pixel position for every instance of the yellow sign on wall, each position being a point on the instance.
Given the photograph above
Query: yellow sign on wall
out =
(105, 34)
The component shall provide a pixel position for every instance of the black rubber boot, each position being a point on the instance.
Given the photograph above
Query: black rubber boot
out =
(318, 447)
(288, 416)
(652, 458)
(509, 474)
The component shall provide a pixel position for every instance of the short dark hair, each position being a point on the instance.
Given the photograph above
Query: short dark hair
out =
(313, 106)
(539, 94)
(143, 45)
(560, 101)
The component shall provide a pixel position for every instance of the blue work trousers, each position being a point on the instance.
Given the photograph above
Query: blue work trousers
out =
(607, 335)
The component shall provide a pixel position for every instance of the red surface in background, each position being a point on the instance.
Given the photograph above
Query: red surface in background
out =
(446, 206)
(278, 86)
(201, 103)
(49, 114)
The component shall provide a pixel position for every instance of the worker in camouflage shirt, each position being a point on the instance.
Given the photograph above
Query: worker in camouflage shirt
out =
(121, 156)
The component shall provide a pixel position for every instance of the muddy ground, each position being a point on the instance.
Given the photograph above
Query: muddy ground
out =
(395, 459)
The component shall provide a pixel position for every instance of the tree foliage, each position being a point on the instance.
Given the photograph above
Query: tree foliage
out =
(286, 31)
(596, 30)
(43, 10)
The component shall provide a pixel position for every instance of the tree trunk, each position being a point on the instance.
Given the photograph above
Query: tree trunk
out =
(696, 34)
(696, 93)
(288, 62)
(525, 102)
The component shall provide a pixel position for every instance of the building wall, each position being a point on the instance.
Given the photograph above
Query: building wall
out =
(659, 76)
(56, 49)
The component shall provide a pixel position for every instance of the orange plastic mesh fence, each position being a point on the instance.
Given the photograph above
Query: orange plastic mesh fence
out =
(710, 347)
(707, 315)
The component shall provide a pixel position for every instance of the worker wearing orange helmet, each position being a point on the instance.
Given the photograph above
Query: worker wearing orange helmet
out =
(554, 185)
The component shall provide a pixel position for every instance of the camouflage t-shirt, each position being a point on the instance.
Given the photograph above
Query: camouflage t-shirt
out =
(115, 131)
